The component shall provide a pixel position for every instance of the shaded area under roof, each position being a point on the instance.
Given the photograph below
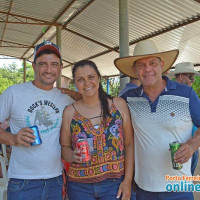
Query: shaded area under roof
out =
(91, 29)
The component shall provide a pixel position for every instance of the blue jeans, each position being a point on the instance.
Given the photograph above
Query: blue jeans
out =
(104, 190)
(39, 189)
(146, 195)
(194, 161)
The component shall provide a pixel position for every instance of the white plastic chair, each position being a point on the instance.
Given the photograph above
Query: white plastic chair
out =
(4, 180)
(3, 146)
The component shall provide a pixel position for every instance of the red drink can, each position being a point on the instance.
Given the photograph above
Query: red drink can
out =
(83, 148)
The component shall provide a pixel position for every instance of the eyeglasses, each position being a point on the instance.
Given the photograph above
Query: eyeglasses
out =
(191, 77)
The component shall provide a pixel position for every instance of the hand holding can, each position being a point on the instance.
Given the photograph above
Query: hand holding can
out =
(83, 150)
(37, 135)
(173, 148)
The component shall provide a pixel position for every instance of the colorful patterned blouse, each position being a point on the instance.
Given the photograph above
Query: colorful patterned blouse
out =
(107, 157)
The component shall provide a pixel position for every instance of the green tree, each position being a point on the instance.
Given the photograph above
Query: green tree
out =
(113, 85)
(4, 83)
(11, 75)
(29, 72)
(196, 85)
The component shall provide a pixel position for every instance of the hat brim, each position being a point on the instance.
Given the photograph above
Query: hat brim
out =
(125, 64)
(183, 71)
(48, 47)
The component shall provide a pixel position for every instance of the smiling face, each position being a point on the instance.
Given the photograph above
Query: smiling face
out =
(87, 80)
(47, 69)
(149, 71)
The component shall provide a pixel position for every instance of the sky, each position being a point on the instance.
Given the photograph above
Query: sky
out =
(9, 61)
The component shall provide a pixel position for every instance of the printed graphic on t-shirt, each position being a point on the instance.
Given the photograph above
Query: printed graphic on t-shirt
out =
(44, 114)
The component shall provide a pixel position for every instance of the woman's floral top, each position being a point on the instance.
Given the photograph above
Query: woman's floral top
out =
(107, 156)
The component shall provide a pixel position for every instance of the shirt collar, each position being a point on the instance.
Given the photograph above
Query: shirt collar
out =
(170, 85)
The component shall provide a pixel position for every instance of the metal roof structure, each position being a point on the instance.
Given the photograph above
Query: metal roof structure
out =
(90, 29)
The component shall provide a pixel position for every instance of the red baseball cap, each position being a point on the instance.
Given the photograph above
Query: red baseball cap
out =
(47, 45)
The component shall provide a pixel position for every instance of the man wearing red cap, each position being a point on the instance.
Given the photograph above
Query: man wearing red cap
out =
(35, 172)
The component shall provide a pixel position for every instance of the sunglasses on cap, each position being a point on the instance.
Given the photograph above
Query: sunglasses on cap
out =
(191, 77)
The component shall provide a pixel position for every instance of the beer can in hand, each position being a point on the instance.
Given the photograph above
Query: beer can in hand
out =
(37, 135)
(173, 148)
(83, 149)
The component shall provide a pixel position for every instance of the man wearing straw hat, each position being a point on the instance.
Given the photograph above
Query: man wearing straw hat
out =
(162, 111)
(184, 73)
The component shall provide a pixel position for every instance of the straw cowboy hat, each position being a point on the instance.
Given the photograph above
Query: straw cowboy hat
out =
(143, 49)
(182, 68)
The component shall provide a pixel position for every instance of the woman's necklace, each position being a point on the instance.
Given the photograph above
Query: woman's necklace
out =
(92, 106)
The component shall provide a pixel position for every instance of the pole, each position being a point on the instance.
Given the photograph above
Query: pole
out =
(123, 36)
(58, 42)
(108, 85)
(24, 78)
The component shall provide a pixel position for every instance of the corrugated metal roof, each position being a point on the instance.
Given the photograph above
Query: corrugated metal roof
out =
(92, 28)
(44, 10)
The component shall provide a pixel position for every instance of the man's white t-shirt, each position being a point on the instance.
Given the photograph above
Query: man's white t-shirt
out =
(26, 105)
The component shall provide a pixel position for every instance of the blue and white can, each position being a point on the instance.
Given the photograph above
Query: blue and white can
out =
(37, 135)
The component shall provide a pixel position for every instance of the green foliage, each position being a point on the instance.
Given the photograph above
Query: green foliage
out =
(11, 75)
(196, 85)
(72, 86)
(113, 86)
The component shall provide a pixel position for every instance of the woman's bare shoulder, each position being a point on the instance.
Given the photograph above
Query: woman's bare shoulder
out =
(69, 111)
(118, 101)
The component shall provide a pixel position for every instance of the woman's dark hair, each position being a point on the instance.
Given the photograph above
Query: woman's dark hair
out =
(103, 96)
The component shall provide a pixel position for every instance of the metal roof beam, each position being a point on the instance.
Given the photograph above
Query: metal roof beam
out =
(11, 56)
(152, 34)
(8, 42)
(13, 46)
(94, 56)
(10, 7)
(38, 21)
(90, 39)
(62, 13)
(29, 23)
(73, 17)
(66, 61)
(166, 29)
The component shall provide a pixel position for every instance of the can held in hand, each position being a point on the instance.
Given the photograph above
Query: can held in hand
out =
(37, 135)
(83, 148)
(173, 148)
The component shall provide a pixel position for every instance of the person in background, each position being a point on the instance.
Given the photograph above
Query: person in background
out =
(184, 73)
(106, 124)
(35, 172)
(133, 83)
(163, 111)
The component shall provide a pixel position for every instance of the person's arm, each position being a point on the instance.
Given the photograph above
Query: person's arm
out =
(67, 152)
(75, 95)
(125, 186)
(186, 150)
(23, 138)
